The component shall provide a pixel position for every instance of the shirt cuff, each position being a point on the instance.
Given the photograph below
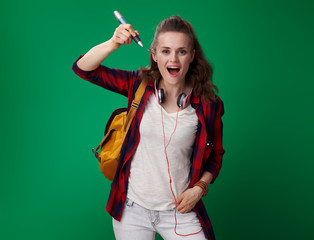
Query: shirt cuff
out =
(79, 71)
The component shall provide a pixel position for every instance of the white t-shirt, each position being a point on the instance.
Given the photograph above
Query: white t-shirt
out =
(149, 184)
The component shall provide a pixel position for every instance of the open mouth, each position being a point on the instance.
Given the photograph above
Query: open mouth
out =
(173, 70)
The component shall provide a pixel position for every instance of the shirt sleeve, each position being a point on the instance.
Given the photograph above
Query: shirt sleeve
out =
(214, 162)
(119, 81)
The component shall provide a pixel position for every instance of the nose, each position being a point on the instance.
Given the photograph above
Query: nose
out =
(174, 57)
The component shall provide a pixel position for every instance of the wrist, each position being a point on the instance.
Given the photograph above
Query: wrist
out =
(112, 44)
(203, 186)
(198, 191)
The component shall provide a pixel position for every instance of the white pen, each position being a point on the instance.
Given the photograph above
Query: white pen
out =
(120, 18)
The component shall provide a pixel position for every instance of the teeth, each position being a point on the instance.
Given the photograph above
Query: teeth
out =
(173, 68)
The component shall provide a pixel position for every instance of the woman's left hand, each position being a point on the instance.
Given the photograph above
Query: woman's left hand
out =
(188, 199)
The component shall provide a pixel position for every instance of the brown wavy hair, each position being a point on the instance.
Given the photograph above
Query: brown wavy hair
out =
(200, 72)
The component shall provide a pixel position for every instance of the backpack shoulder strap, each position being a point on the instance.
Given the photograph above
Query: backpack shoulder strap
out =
(135, 103)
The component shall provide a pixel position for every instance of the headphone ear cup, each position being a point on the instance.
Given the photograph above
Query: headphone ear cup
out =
(161, 96)
(181, 100)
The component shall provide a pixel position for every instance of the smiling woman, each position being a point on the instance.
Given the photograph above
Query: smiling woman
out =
(173, 149)
(173, 56)
(200, 72)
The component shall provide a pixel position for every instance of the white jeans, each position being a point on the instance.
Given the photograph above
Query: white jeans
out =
(138, 223)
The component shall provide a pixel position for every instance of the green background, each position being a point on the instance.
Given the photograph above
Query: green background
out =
(262, 53)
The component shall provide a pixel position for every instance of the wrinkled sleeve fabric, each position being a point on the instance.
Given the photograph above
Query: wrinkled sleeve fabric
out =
(214, 162)
(119, 81)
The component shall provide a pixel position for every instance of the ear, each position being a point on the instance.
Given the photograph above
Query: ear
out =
(153, 55)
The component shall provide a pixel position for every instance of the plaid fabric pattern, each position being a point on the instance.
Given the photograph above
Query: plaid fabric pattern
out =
(207, 152)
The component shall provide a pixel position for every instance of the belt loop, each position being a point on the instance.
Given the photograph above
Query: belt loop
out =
(129, 202)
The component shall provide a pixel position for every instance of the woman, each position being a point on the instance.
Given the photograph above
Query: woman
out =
(173, 149)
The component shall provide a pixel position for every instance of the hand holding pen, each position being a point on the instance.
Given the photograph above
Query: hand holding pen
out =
(123, 35)
(128, 27)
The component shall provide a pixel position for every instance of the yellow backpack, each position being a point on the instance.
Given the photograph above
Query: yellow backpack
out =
(116, 129)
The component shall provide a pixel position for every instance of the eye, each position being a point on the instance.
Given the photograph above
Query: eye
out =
(182, 52)
(165, 51)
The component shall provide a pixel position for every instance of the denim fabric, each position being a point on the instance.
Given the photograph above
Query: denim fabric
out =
(142, 224)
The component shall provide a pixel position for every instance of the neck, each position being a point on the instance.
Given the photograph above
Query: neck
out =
(173, 91)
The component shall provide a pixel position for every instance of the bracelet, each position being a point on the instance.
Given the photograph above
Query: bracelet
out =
(203, 185)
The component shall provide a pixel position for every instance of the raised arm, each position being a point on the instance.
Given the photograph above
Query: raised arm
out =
(95, 56)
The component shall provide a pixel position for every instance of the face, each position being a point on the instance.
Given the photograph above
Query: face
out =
(173, 56)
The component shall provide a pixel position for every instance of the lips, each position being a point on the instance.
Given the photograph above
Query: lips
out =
(173, 70)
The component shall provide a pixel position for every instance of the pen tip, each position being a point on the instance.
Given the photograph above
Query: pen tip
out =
(140, 43)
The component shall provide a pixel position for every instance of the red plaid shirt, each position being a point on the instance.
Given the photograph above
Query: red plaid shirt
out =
(207, 152)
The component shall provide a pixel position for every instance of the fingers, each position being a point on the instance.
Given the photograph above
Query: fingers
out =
(130, 29)
(182, 206)
(123, 34)
(179, 199)
(187, 200)
(124, 37)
